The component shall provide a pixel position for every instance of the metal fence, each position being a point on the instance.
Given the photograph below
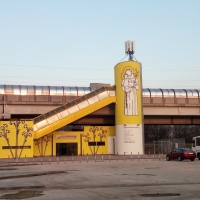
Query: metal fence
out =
(163, 147)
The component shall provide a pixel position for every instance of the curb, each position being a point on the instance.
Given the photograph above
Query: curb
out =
(31, 175)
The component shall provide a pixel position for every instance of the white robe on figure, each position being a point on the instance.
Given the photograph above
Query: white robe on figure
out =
(130, 87)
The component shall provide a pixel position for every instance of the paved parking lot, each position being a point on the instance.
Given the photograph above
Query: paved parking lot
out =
(130, 179)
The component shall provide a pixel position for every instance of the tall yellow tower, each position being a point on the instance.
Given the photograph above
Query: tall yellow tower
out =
(129, 109)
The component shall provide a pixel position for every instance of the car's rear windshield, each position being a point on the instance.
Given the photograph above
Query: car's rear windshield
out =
(185, 149)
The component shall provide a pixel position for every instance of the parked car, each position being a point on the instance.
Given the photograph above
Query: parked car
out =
(181, 154)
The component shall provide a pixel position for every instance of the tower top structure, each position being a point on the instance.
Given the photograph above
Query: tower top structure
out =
(130, 48)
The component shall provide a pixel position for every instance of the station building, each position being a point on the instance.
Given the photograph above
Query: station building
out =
(103, 119)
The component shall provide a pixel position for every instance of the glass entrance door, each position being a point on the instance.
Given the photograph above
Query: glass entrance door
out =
(67, 149)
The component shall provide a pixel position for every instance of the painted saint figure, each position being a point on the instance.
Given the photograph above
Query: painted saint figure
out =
(130, 87)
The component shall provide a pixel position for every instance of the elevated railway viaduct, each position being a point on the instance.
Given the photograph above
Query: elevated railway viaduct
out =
(160, 106)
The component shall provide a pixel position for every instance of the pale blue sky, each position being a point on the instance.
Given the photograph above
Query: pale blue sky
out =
(78, 42)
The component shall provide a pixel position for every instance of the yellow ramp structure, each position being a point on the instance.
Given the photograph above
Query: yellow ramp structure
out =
(72, 111)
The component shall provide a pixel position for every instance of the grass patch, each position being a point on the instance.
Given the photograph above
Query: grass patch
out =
(23, 194)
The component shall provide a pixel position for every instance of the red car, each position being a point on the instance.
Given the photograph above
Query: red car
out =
(181, 154)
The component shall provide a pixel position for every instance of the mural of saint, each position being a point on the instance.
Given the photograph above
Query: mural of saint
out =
(130, 87)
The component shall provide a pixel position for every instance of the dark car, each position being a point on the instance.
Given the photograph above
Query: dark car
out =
(181, 154)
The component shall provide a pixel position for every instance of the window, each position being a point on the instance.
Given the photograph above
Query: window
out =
(193, 143)
(197, 141)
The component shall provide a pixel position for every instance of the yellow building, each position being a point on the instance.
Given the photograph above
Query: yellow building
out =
(21, 143)
(16, 139)
(47, 134)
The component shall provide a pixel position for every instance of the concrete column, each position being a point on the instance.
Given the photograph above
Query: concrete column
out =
(128, 109)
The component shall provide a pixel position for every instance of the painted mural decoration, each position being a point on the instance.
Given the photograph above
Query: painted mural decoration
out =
(45, 141)
(4, 131)
(130, 87)
(94, 142)
(37, 143)
(25, 134)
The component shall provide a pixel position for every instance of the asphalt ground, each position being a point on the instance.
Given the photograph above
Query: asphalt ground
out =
(96, 179)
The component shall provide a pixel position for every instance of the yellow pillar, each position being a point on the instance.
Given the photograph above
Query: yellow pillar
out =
(129, 108)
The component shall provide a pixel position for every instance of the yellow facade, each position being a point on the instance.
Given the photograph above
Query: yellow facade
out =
(97, 133)
(122, 89)
(16, 139)
(48, 145)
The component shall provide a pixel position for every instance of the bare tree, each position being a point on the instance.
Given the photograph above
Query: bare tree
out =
(156, 132)
(186, 131)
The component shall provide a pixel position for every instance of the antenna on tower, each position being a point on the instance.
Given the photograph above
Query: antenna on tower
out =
(130, 48)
